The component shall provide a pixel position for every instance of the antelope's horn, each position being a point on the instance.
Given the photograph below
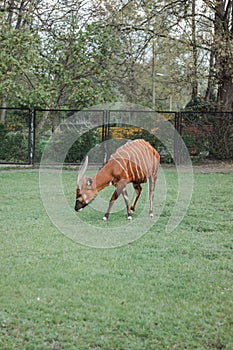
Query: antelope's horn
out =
(81, 174)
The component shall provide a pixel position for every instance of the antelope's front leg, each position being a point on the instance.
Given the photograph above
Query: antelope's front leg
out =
(126, 198)
(120, 188)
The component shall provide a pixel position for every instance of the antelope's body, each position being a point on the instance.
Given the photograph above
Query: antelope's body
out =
(136, 161)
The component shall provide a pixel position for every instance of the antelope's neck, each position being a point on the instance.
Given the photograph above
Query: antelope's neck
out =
(103, 178)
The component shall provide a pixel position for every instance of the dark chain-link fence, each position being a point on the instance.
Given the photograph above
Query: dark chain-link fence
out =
(24, 133)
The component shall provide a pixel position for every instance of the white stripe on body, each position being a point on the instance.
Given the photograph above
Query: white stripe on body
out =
(120, 154)
(151, 160)
(135, 153)
(141, 159)
(124, 168)
(137, 163)
(129, 161)
(147, 158)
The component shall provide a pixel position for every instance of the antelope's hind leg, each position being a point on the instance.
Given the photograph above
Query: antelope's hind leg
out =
(138, 190)
(126, 198)
(152, 181)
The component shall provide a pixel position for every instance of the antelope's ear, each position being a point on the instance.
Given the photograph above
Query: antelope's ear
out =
(81, 174)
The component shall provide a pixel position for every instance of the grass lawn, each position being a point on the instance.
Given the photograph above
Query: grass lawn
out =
(164, 291)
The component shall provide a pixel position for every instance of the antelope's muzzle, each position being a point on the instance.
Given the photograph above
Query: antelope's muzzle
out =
(79, 205)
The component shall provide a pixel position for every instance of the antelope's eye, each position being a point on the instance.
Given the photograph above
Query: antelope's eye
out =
(89, 182)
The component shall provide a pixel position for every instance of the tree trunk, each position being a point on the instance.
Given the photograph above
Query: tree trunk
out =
(209, 95)
(225, 94)
(224, 55)
(3, 110)
(43, 119)
(220, 141)
(194, 45)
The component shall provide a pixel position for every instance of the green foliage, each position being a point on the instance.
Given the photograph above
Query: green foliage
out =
(13, 146)
(40, 144)
(208, 132)
(14, 137)
(3, 131)
(61, 141)
(18, 53)
(195, 144)
(68, 71)
(198, 104)
(75, 55)
(82, 146)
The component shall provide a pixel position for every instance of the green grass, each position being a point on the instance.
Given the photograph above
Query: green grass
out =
(164, 291)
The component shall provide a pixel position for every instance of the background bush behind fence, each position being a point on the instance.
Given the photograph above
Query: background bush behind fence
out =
(24, 132)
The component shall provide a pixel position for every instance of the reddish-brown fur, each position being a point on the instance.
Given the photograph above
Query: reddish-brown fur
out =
(135, 162)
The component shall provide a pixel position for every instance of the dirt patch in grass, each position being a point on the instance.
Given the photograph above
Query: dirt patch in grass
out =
(207, 166)
(214, 167)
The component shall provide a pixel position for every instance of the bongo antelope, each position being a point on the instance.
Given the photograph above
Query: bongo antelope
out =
(135, 162)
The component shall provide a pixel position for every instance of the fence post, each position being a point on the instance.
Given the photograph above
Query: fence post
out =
(177, 135)
(105, 134)
(31, 139)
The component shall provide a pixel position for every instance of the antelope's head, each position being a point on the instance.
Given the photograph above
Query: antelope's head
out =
(86, 190)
